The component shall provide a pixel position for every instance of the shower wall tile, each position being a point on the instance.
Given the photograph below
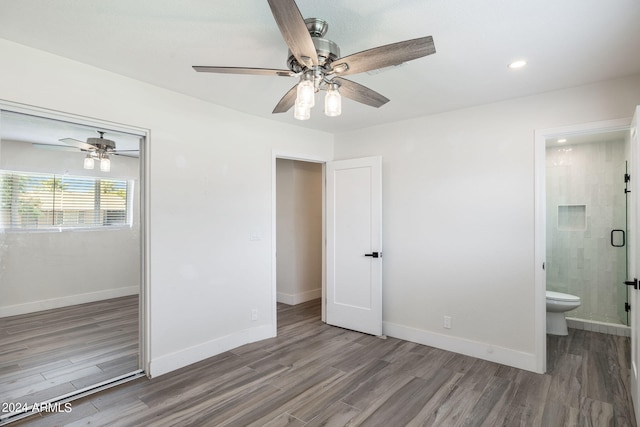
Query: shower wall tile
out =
(583, 262)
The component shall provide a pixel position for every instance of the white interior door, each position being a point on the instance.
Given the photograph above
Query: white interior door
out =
(634, 262)
(354, 244)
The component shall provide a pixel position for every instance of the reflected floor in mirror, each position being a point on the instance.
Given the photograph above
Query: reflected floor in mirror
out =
(313, 374)
(51, 353)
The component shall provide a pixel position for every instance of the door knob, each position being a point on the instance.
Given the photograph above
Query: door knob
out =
(374, 255)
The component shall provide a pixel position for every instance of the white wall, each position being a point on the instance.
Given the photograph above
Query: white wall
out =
(210, 189)
(50, 269)
(458, 216)
(299, 231)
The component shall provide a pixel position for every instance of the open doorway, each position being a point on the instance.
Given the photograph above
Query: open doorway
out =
(566, 228)
(299, 231)
(71, 256)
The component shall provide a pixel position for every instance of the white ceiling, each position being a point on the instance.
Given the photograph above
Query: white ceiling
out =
(566, 43)
(39, 130)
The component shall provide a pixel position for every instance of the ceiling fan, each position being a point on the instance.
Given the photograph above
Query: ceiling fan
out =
(98, 149)
(319, 66)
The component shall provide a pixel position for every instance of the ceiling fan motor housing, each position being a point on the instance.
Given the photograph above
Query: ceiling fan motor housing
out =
(102, 143)
(327, 50)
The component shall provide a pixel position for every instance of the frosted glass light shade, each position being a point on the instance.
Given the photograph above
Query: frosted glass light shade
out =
(332, 103)
(88, 162)
(105, 164)
(306, 94)
(301, 112)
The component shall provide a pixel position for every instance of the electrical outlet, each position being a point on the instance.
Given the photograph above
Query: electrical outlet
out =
(447, 322)
(254, 314)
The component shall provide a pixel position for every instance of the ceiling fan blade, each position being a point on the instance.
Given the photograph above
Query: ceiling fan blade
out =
(242, 70)
(287, 101)
(78, 144)
(53, 147)
(294, 31)
(127, 153)
(384, 56)
(359, 93)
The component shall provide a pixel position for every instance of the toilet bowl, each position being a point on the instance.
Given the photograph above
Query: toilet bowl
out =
(557, 304)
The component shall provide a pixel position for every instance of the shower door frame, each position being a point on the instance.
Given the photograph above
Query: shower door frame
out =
(540, 238)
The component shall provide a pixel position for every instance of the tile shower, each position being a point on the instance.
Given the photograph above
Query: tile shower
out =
(585, 202)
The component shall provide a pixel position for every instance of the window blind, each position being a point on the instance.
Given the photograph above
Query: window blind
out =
(41, 201)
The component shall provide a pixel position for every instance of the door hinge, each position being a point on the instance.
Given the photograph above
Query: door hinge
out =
(627, 307)
(627, 177)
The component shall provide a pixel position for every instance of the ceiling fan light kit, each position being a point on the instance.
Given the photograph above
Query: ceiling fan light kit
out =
(97, 149)
(105, 162)
(318, 64)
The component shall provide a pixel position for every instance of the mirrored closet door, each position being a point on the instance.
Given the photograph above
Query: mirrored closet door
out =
(70, 256)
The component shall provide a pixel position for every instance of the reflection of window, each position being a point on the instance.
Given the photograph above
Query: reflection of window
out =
(112, 217)
(40, 201)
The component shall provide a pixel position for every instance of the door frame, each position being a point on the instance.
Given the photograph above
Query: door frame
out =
(540, 213)
(288, 155)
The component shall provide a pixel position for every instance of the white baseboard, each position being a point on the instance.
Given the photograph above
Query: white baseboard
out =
(179, 359)
(293, 299)
(492, 353)
(48, 304)
(602, 327)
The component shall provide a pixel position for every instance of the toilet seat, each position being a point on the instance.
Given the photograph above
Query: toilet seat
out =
(559, 296)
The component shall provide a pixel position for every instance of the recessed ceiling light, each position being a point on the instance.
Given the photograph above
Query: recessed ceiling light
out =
(561, 140)
(518, 64)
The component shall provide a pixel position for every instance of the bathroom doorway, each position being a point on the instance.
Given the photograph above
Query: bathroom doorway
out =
(586, 227)
(574, 215)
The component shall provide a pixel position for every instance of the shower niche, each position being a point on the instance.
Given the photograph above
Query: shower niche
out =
(572, 217)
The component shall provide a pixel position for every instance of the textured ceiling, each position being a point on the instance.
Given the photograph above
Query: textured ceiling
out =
(566, 43)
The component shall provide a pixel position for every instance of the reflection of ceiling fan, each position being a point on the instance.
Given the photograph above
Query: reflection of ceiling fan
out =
(98, 149)
(317, 62)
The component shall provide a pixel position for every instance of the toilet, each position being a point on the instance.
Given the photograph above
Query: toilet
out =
(557, 304)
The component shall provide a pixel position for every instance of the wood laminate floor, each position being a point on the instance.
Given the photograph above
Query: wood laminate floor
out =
(317, 375)
(54, 352)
